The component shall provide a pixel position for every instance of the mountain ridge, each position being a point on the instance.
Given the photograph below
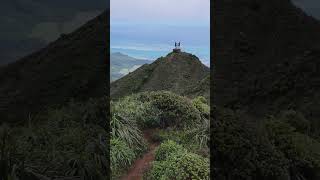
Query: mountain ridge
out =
(265, 36)
(71, 68)
(176, 72)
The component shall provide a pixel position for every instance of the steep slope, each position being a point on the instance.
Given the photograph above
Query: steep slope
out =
(177, 72)
(121, 64)
(267, 57)
(73, 67)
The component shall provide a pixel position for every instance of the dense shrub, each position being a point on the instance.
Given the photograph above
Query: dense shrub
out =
(143, 113)
(201, 104)
(241, 149)
(181, 166)
(296, 120)
(121, 157)
(301, 150)
(175, 110)
(66, 142)
(270, 148)
(177, 136)
(166, 149)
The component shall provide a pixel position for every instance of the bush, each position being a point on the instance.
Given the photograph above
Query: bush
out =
(66, 142)
(121, 157)
(167, 148)
(300, 149)
(296, 120)
(242, 150)
(181, 166)
(201, 104)
(175, 110)
(123, 123)
(143, 113)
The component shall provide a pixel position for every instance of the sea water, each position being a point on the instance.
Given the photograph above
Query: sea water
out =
(145, 41)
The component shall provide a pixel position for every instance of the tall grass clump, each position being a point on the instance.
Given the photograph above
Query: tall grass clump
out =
(67, 142)
(121, 157)
(124, 116)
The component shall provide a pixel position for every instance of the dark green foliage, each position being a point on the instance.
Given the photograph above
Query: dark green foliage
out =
(296, 120)
(174, 162)
(241, 151)
(269, 149)
(121, 157)
(71, 67)
(65, 142)
(177, 72)
(302, 151)
(123, 123)
(176, 111)
(166, 149)
(202, 105)
(177, 136)
(164, 110)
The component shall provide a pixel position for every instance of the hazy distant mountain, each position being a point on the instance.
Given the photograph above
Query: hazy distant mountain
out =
(177, 72)
(122, 64)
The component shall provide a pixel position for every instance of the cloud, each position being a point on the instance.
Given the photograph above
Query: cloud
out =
(50, 31)
(158, 10)
(125, 71)
(143, 47)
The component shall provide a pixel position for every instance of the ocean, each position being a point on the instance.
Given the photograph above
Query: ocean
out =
(150, 42)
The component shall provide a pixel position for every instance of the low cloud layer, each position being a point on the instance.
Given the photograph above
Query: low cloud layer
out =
(125, 71)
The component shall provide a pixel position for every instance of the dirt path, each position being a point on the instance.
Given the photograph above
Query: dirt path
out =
(143, 164)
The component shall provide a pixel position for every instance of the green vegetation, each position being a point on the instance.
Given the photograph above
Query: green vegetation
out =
(271, 148)
(66, 142)
(174, 162)
(166, 149)
(180, 73)
(121, 157)
(183, 129)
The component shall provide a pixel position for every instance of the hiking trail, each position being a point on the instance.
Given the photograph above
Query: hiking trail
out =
(141, 165)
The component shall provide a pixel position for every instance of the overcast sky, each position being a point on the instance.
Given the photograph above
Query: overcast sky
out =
(311, 7)
(160, 11)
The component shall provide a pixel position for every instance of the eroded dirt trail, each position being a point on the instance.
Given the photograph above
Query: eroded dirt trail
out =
(142, 164)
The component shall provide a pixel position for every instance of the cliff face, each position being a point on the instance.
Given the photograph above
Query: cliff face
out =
(73, 67)
(267, 56)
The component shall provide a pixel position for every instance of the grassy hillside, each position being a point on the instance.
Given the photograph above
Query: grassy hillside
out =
(73, 67)
(266, 123)
(176, 72)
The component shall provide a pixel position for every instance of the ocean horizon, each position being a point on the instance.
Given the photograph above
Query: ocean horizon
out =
(154, 52)
(151, 41)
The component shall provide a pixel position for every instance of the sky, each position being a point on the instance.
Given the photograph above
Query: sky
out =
(148, 28)
(160, 11)
(311, 7)
(28, 25)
